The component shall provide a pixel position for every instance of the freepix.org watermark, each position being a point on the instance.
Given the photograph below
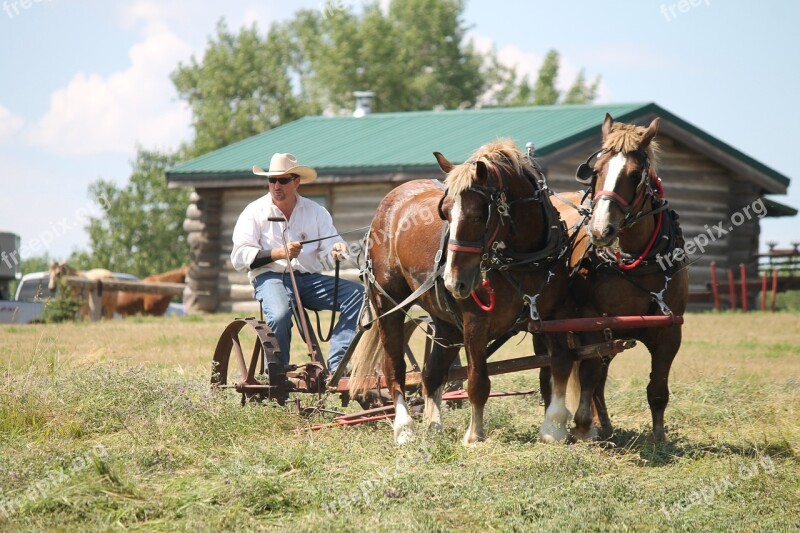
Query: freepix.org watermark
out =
(673, 10)
(57, 229)
(366, 491)
(13, 8)
(421, 217)
(51, 481)
(708, 493)
(333, 7)
(712, 234)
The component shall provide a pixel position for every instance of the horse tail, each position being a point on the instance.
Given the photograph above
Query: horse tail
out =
(365, 360)
(573, 396)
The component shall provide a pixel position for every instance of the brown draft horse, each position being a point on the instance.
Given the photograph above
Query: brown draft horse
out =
(619, 274)
(108, 299)
(498, 216)
(131, 303)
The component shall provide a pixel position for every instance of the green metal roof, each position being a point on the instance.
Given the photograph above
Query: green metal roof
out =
(394, 142)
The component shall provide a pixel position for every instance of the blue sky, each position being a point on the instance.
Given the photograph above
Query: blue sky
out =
(82, 82)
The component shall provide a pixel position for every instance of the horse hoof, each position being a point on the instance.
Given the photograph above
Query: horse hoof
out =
(470, 441)
(403, 436)
(658, 436)
(552, 434)
(436, 427)
(590, 434)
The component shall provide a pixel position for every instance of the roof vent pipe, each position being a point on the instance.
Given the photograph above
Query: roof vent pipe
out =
(363, 103)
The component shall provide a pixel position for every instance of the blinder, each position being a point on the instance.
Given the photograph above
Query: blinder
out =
(586, 173)
(440, 207)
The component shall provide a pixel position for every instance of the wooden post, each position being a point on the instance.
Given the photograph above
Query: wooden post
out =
(764, 291)
(715, 286)
(774, 288)
(743, 276)
(732, 290)
(95, 305)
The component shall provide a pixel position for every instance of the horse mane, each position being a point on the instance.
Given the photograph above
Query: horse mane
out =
(626, 138)
(501, 152)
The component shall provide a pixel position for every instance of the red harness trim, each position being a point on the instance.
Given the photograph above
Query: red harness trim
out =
(461, 248)
(613, 196)
(485, 284)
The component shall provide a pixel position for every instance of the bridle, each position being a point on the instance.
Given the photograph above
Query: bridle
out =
(496, 199)
(587, 175)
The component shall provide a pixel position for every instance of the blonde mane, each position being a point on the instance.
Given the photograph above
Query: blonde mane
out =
(501, 152)
(626, 138)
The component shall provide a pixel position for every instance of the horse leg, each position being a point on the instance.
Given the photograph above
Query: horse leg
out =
(556, 417)
(540, 348)
(478, 384)
(394, 369)
(602, 420)
(663, 345)
(435, 371)
(590, 372)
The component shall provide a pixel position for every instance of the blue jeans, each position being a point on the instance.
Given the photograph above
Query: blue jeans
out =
(316, 291)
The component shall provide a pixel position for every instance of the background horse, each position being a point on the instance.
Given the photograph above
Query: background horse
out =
(131, 303)
(108, 299)
(497, 216)
(616, 256)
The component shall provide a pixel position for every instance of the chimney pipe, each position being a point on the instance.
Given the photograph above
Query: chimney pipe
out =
(363, 103)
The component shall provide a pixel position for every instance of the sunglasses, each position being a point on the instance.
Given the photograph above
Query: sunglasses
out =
(282, 181)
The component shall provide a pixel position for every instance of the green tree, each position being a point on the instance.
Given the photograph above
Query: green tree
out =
(415, 56)
(582, 92)
(242, 87)
(141, 229)
(544, 92)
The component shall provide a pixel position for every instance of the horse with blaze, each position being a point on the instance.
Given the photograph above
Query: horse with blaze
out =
(615, 257)
(506, 245)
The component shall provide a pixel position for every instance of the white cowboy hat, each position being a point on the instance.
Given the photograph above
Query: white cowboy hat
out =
(283, 164)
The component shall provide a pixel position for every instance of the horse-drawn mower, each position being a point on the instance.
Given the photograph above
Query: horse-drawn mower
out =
(261, 376)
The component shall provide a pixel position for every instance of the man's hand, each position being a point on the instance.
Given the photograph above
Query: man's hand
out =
(339, 252)
(294, 249)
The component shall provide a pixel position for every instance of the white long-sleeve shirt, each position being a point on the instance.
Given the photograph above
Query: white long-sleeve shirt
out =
(253, 232)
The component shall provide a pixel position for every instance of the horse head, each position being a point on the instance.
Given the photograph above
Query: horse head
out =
(56, 271)
(622, 176)
(478, 207)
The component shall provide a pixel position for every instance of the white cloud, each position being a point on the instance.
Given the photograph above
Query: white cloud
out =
(97, 114)
(10, 124)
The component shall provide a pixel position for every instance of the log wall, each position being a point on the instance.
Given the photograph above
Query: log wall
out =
(703, 193)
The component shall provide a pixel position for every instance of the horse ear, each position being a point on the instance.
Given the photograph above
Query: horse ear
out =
(481, 172)
(607, 123)
(444, 164)
(648, 136)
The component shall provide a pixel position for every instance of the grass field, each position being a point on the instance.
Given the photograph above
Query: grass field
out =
(111, 426)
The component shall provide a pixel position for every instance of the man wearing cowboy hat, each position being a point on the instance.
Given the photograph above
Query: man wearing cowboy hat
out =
(258, 248)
